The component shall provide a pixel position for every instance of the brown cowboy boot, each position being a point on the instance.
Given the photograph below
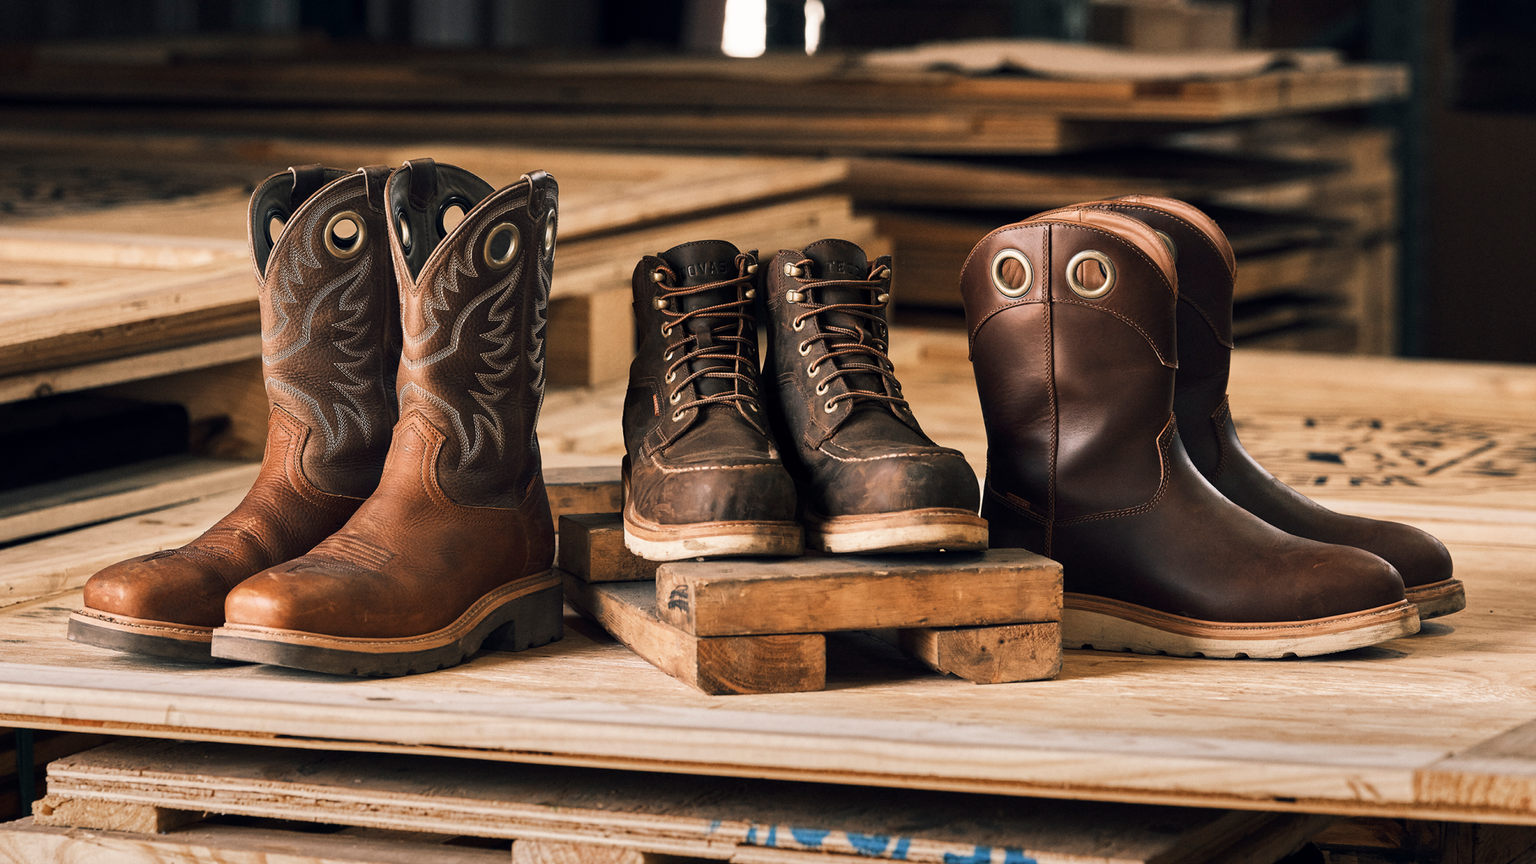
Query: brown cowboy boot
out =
(454, 550)
(867, 478)
(1073, 342)
(330, 347)
(1206, 273)
(702, 476)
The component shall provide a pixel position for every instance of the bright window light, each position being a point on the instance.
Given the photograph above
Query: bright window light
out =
(815, 13)
(746, 28)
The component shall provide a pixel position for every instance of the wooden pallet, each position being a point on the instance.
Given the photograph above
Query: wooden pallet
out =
(148, 786)
(1443, 445)
(757, 626)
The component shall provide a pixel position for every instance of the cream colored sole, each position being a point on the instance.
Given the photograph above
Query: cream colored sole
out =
(141, 636)
(1438, 598)
(655, 542)
(925, 530)
(1110, 625)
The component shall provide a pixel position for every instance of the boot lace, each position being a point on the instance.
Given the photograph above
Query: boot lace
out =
(732, 339)
(849, 350)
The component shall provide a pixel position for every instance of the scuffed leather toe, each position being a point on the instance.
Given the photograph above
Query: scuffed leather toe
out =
(163, 586)
(910, 479)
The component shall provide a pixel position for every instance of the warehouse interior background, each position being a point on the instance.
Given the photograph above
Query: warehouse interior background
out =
(1465, 146)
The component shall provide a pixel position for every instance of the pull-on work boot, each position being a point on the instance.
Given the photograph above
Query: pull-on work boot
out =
(1072, 332)
(454, 550)
(1207, 270)
(330, 347)
(867, 478)
(702, 476)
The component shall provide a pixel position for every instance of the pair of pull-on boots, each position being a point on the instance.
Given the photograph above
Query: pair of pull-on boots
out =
(816, 448)
(1091, 329)
(399, 521)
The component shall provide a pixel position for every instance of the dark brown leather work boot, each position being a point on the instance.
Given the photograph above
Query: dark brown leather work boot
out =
(454, 550)
(1207, 270)
(330, 347)
(702, 476)
(867, 478)
(1072, 330)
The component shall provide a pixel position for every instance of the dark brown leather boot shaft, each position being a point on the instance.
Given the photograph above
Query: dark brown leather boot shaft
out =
(703, 476)
(1073, 341)
(867, 478)
(455, 547)
(1206, 271)
(330, 347)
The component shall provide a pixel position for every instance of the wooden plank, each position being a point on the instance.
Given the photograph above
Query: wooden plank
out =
(27, 842)
(592, 549)
(985, 655)
(819, 595)
(718, 666)
(586, 489)
(96, 814)
(548, 852)
(117, 492)
(152, 364)
(631, 812)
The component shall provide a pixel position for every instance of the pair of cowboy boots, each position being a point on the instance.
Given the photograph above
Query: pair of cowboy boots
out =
(1091, 329)
(399, 521)
(817, 448)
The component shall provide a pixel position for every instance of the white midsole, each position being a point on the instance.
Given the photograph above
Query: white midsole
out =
(904, 538)
(1081, 628)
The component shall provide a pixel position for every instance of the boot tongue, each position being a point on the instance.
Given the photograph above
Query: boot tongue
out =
(701, 263)
(841, 260)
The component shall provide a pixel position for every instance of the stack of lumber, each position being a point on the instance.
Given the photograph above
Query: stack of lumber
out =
(758, 626)
(133, 789)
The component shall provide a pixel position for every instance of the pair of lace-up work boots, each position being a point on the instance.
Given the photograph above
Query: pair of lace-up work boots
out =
(399, 521)
(1101, 339)
(814, 448)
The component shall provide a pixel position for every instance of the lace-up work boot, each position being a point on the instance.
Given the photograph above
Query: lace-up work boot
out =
(454, 550)
(1207, 270)
(330, 346)
(1073, 340)
(702, 476)
(867, 478)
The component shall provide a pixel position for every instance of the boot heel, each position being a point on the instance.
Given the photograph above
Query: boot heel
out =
(537, 619)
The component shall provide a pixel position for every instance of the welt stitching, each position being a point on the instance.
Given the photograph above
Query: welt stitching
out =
(1165, 443)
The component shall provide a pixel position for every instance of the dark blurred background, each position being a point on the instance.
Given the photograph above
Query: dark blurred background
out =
(1466, 137)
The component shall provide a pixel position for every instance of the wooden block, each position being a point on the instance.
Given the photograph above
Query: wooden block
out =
(211, 843)
(595, 489)
(718, 666)
(592, 549)
(985, 655)
(103, 815)
(818, 595)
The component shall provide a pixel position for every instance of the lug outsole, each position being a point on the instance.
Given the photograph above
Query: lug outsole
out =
(1110, 625)
(164, 639)
(1438, 598)
(508, 619)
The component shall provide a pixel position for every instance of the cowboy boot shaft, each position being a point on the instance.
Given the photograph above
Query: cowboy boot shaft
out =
(1075, 381)
(474, 316)
(330, 323)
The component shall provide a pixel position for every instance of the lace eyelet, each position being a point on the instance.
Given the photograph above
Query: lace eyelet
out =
(665, 330)
(812, 368)
(668, 356)
(829, 407)
(671, 376)
(676, 397)
(805, 348)
(821, 389)
(799, 325)
(676, 416)
(750, 405)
